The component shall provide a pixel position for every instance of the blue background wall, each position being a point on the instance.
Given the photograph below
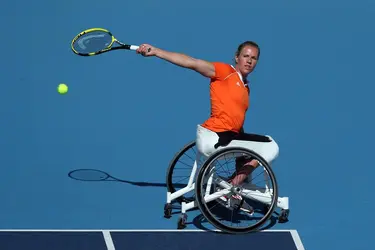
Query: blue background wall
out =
(127, 115)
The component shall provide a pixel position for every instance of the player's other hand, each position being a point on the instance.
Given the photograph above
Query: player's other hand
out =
(146, 50)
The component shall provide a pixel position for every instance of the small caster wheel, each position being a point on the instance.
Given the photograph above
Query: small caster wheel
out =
(181, 224)
(284, 216)
(168, 210)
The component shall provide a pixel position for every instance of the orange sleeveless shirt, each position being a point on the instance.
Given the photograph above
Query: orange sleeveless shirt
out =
(229, 100)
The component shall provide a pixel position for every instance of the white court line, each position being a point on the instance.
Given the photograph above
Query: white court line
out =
(131, 230)
(108, 240)
(297, 240)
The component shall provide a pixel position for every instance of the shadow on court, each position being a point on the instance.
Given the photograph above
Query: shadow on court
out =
(92, 175)
(98, 175)
(227, 216)
(199, 220)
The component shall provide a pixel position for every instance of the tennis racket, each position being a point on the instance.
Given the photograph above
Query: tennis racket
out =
(96, 41)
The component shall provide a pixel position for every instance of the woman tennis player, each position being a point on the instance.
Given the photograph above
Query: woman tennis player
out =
(229, 93)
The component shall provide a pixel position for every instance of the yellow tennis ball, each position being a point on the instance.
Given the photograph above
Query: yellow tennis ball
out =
(62, 88)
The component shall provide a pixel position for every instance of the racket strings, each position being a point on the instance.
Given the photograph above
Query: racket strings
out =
(93, 42)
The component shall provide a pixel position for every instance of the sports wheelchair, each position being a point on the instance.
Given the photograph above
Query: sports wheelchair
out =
(210, 191)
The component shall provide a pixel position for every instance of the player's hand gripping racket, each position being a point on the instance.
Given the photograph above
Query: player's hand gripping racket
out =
(96, 41)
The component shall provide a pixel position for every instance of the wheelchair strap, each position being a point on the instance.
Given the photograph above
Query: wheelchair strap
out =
(227, 136)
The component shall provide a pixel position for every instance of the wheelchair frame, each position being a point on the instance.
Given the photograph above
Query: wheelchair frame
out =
(249, 191)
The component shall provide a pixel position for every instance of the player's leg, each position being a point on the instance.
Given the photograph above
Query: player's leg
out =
(244, 167)
(206, 140)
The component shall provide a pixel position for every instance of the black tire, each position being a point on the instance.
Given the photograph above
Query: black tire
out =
(202, 204)
(170, 185)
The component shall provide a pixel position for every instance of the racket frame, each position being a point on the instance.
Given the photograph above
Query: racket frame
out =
(108, 48)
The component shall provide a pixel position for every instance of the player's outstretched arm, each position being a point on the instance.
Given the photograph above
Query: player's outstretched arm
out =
(201, 66)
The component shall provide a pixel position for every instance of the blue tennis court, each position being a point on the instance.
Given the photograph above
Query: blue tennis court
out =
(127, 116)
(144, 239)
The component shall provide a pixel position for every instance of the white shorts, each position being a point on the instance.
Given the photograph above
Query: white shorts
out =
(206, 140)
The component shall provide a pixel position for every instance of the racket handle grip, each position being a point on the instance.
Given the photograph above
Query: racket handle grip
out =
(135, 47)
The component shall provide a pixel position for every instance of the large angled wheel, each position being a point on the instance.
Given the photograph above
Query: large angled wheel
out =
(220, 212)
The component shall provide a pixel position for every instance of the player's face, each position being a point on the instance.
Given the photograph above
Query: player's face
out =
(247, 60)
